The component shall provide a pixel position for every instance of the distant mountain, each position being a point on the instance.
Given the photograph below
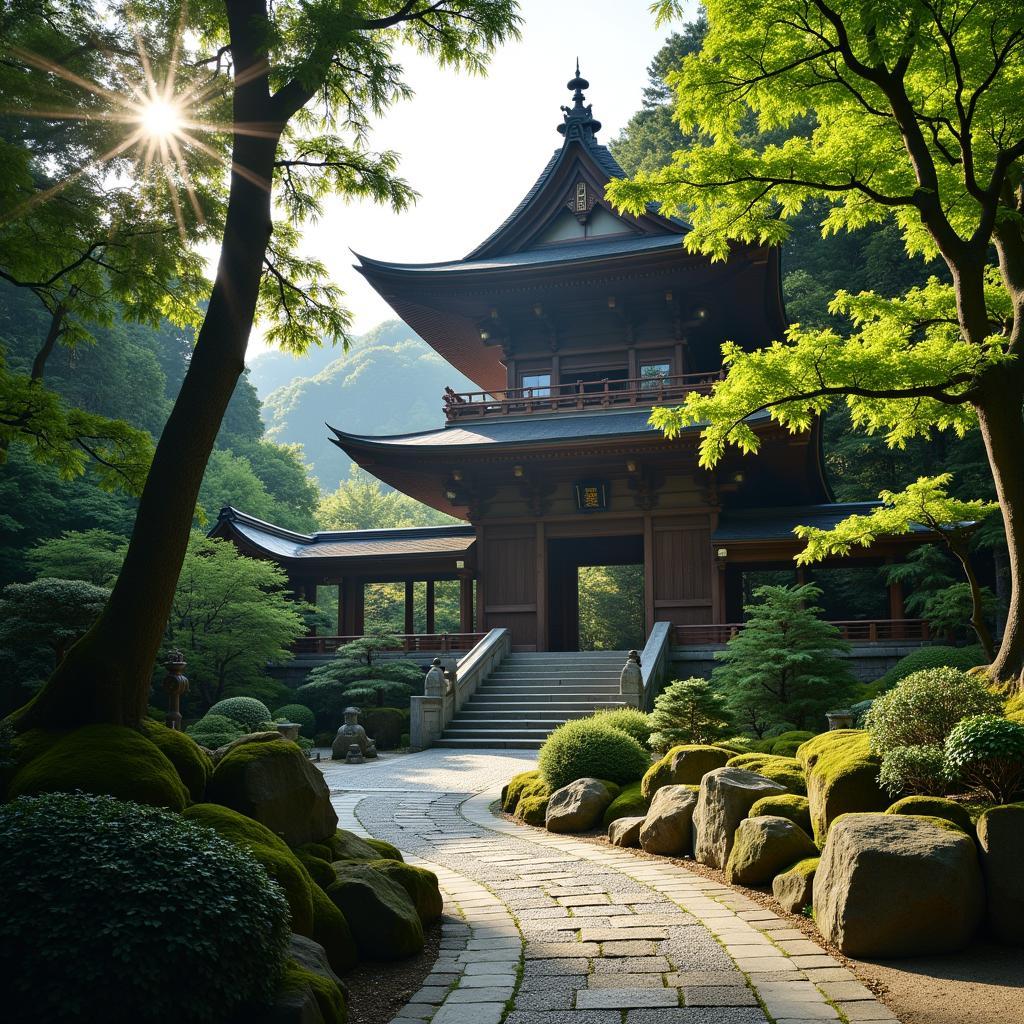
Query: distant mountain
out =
(274, 369)
(389, 382)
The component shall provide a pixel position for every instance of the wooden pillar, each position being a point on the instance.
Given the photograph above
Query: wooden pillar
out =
(341, 609)
(360, 607)
(541, 559)
(309, 595)
(465, 603)
(649, 571)
(347, 593)
(430, 606)
(897, 611)
(481, 586)
(410, 623)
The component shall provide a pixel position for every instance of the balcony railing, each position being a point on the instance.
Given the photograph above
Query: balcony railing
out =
(856, 631)
(436, 643)
(576, 397)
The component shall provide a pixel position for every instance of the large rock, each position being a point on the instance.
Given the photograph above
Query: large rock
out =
(275, 783)
(892, 885)
(578, 806)
(842, 777)
(668, 827)
(726, 795)
(625, 831)
(630, 803)
(383, 919)
(685, 765)
(1001, 838)
(310, 992)
(764, 846)
(420, 886)
(787, 771)
(794, 888)
(786, 805)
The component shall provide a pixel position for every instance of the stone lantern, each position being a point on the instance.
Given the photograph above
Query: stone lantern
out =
(631, 680)
(844, 718)
(175, 685)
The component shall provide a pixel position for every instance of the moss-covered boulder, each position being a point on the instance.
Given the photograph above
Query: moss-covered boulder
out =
(684, 765)
(528, 796)
(577, 807)
(331, 930)
(668, 825)
(319, 870)
(893, 885)
(842, 777)
(102, 759)
(630, 803)
(532, 810)
(785, 805)
(419, 883)
(794, 888)
(1001, 838)
(386, 924)
(787, 743)
(192, 763)
(385, 850)
(274, 783)
(726, 795)
(764, 846)
(935, 807)
(345, 845)
(787, 771)
(282, 865)
(513, 789)
(625, 831)
(309, 989)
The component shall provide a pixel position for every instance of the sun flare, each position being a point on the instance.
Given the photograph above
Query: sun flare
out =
(159, 119)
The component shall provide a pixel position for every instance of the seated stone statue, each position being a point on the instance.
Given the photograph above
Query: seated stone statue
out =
(352, 734)
(436, 682)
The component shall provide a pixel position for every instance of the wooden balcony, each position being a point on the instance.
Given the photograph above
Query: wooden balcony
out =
(581, 396)
(408, 643)
(855, 631)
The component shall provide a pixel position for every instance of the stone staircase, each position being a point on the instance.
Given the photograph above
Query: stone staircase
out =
(529, 694)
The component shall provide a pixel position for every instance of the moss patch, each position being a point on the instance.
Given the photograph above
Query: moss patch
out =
(191, 762)
(842, 777)
(387, 925)
(345, 845)
(419, 883)
(532, 809)
(785, 805)
(385, 850)
(513, 789)
(934, 807)
(329, 998)
(282, 865)
(630, 803)
(331, 930)
(319, 870)
(110, 759)
(684, 765)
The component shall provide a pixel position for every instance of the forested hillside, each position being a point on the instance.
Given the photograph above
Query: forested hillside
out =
(389, 382)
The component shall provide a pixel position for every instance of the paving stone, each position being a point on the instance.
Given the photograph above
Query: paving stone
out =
(469, 1013)
(490, 994)
(625, 981)
(549, 950)
(679, 979)
(567, 965)
(591, 900)
(555, 999)
(492, 967)
(488, 981)
(797, 1009)
(625, 998)
(633, 965)
(841, 991)
(634, 947)
(430, 994)
(862, 1011)
(592, 934)
(819, 974)
(718, 995)
(564, 1017)
(698, 1015)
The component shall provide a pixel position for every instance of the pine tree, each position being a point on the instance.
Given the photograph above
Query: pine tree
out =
(783, 667)
(688, 711)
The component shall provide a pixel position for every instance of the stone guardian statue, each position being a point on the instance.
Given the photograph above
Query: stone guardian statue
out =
(631, 680)
(352, 734)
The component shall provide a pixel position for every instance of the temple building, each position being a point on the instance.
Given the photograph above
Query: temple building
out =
(574, 320)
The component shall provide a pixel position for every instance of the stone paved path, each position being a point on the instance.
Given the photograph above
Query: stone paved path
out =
(546, 929)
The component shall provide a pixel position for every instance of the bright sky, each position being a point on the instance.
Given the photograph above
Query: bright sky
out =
(473, 146)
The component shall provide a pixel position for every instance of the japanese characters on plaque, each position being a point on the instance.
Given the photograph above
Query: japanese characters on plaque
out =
(591, 495)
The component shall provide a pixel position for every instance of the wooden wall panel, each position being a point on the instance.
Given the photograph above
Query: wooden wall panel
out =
(509, 583)
(683, 569)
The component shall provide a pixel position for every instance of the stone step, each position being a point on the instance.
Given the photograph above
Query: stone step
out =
(489, 722)
(457, 732)
(540, 713)
(488, 744)
(528, 707)
(547, 698)
(558, 687)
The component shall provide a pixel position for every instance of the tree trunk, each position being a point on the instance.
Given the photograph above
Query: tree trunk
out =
(55, 330)
(106, 676)
(1002, 429)
(958, 546)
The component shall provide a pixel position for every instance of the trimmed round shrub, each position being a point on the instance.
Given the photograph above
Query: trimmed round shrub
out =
(190, 761)
(987, 751)
(248, 712)
(584, 748)
(104, 759)
(215, 731)
(914, 769)
(385, 726)
(297, 713)
(128, 915)
(961, 658)
(935, 807)
(631, 721)
(924, 707)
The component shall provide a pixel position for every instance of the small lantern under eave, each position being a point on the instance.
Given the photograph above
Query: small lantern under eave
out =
(175, 685)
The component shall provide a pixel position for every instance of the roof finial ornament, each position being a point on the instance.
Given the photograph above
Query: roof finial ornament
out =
(578, 120)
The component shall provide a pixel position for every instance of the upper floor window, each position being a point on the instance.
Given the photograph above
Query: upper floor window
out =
(536, 385)
(654, 375)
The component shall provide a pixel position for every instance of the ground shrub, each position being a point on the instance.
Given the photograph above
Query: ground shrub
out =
(987, 752)
(118, 912)
(924, 707)
(385, 726)
(280, 863)
(248, 712)
(919, 769)
(586, 749)
(190, 761)
(961, 658)
(687, 711)
(297, 713)
(631, 721)
(103, 759)
(630, 803)
(935, 807)
(215, 731)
